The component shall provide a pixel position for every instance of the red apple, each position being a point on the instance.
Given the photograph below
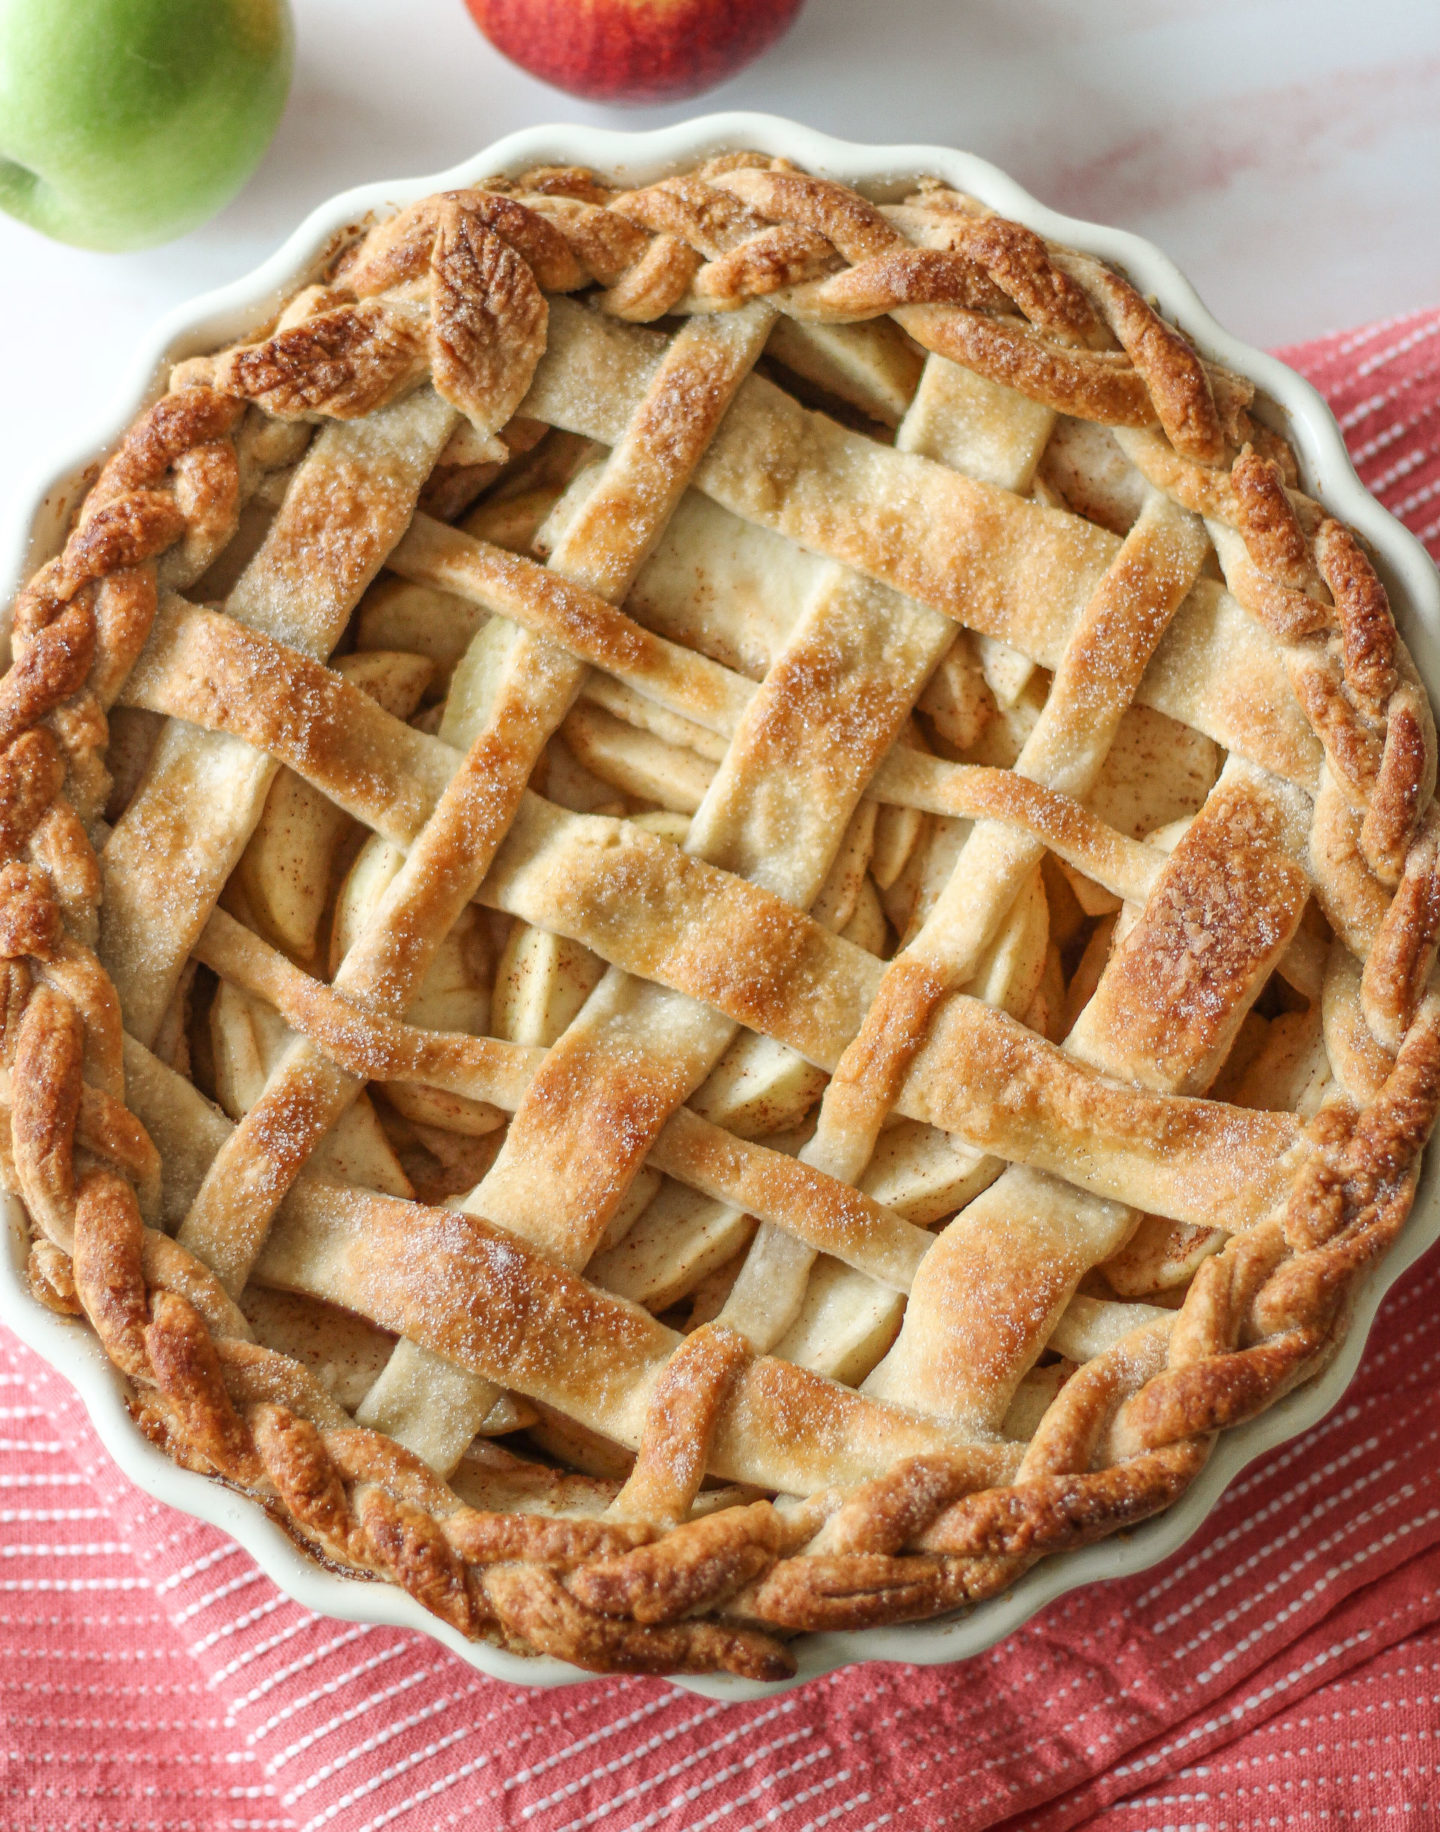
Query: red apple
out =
(633, 50)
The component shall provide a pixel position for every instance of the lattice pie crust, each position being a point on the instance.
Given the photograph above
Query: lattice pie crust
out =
(717, 909)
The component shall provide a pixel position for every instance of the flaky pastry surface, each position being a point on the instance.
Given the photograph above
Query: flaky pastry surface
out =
(717, 911)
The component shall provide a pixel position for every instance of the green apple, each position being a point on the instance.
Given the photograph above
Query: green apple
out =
(126, 122)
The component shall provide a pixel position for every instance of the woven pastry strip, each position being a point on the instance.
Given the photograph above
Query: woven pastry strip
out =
(543, 857)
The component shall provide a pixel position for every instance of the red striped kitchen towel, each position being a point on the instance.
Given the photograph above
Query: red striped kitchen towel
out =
(1282, 1670)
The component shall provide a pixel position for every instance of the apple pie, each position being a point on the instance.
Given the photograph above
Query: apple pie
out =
(718, 911)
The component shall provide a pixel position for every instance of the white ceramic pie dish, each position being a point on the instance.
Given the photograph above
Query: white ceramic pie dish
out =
(32, 532)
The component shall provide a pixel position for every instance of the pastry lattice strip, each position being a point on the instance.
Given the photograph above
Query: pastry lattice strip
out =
(1138, 1412)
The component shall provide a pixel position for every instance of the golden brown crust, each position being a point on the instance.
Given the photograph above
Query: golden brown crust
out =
(537, 1607)
(400, 250)
(487, 320)
(1178, 384)
(697, 1565)
(1211, 933)
(453, 291)
(1267, 519)
(680, 1422)
(344, 363)
(1017, 261)
(108, 1274)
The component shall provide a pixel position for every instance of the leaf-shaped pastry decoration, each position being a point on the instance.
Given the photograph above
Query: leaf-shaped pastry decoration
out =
(487, 320)
(399, 251)
(343, 363)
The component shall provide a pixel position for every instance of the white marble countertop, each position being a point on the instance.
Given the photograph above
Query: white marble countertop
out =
(1285, 152)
